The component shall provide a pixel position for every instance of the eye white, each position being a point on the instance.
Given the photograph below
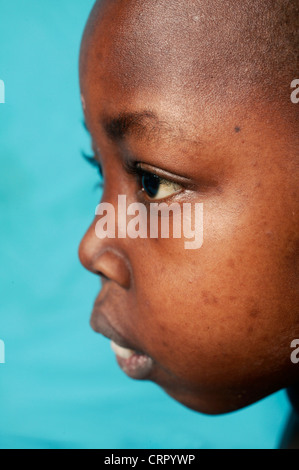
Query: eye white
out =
(166, 189)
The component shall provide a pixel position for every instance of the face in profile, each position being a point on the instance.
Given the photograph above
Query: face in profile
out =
(179, 113)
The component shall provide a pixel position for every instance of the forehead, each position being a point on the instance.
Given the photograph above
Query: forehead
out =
(170, 46)
(195, 62)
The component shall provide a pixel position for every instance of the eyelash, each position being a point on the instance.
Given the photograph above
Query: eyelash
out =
(95, 164)
(131, 168)
(139, 173)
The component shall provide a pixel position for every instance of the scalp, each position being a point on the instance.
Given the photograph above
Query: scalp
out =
(222, 41)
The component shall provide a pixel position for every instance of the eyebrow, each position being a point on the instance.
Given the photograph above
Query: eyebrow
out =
(140, 124)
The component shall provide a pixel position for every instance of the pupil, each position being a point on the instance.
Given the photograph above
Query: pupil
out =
(151, 184)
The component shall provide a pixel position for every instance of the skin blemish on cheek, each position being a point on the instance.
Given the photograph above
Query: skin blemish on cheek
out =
(254, 313)
(209, 298)
(270, 234)
(237, 129)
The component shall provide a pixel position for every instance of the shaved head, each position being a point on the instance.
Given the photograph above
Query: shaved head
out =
(222, 48)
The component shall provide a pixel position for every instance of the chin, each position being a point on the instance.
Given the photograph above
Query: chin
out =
(213, 403)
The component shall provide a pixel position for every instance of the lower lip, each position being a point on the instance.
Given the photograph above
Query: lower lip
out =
(137, 366)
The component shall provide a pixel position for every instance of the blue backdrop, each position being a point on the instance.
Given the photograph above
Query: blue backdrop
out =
(60, 386)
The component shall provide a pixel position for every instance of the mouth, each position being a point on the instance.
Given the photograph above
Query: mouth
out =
(134, 363)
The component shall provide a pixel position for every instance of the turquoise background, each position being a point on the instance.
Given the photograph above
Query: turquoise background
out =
(60, 386)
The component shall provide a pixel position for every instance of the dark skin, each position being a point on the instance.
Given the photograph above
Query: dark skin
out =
(216, 322)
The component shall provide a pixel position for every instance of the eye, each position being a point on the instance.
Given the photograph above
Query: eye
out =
(157, 188)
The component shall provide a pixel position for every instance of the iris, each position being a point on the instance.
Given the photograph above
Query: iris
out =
(151, 184)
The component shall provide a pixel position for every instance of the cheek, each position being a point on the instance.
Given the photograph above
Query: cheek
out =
(215, 313)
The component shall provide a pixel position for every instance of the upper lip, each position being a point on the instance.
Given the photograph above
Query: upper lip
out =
(103, 327)
(100, 324)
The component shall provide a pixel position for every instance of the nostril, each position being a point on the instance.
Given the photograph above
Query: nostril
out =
(112, 265)
(99, 257)
(102, 276)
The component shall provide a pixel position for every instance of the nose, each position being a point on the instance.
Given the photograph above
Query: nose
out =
(104, 258)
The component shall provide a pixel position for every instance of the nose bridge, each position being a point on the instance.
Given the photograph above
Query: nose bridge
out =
(105, 255)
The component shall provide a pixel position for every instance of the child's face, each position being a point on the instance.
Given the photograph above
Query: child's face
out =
(214, 324)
